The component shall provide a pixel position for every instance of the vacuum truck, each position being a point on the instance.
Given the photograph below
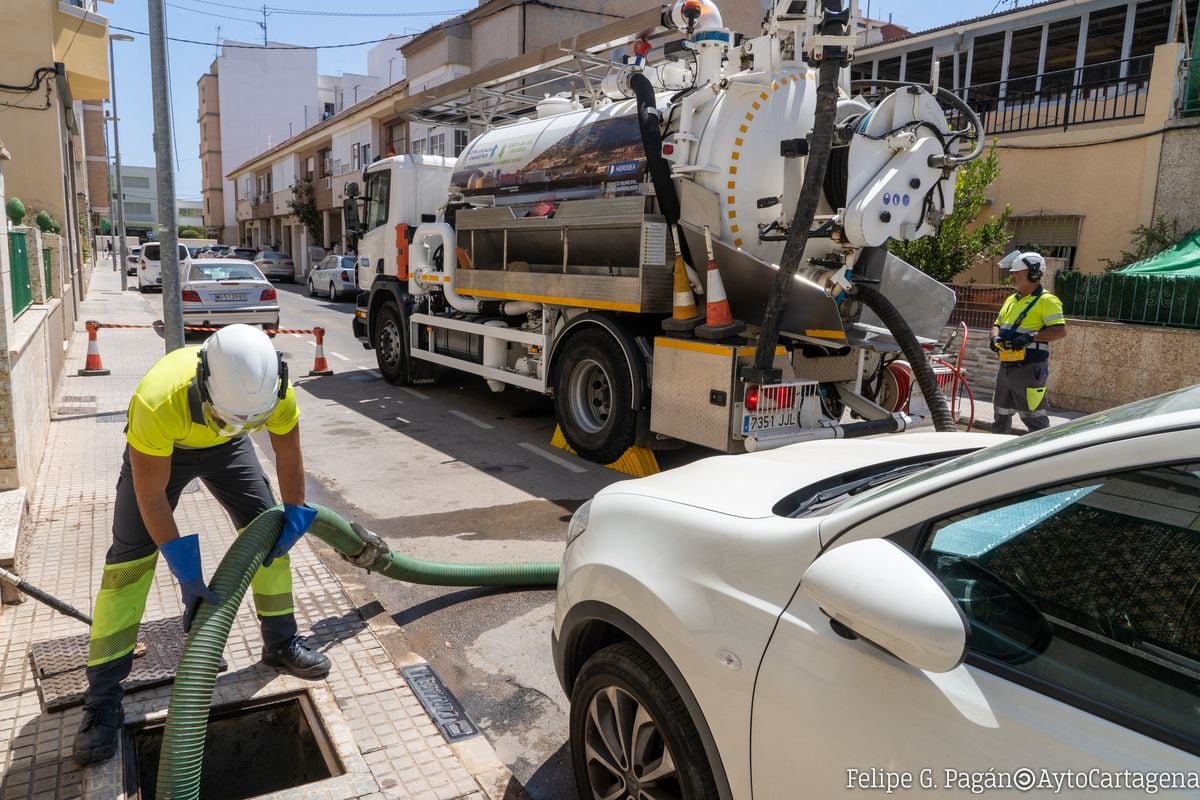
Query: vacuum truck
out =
(575, 250)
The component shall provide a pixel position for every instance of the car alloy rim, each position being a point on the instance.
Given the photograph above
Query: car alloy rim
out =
(390, 343)
(627, 755)
(590, 396)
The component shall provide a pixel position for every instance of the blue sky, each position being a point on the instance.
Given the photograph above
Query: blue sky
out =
(205, 20)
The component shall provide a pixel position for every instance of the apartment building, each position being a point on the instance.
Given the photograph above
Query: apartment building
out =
(55, 76)
(1085, 102)
(253, 97)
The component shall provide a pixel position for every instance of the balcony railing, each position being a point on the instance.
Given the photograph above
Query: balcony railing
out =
(1112, 90)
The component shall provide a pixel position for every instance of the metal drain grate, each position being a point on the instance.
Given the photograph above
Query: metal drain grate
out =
(75, 399)
(59, 664)
(442, 706)
(118, 416)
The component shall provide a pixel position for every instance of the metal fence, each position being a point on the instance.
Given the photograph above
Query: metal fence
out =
(1167, 301)
(1109, 91)
(22, 290)
(977, 305)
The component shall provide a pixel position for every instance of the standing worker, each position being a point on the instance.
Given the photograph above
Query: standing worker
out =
(1028, 321)
(189, 418)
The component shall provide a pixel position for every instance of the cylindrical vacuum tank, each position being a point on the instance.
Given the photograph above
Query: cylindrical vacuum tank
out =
(493, 353)
(563, 156)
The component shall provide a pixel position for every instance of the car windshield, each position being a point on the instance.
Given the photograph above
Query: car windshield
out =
(1183, 400)
(224, 272)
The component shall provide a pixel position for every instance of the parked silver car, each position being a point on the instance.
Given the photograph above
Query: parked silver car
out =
(334, 277)
(222, 291)
(276, 266)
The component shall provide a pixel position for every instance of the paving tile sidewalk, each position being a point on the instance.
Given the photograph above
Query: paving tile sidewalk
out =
(388, 745)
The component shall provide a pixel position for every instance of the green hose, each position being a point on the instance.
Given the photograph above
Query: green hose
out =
(187, 715)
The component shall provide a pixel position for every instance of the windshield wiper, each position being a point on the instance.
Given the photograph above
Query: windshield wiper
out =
(859, 485)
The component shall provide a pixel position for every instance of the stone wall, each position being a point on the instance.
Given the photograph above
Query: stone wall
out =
(1104, 364)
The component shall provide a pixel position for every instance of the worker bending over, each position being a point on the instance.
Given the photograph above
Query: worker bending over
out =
(1028, 321)
(189, 418)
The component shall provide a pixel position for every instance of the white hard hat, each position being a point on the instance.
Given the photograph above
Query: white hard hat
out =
(1017, 261)
(241, 378)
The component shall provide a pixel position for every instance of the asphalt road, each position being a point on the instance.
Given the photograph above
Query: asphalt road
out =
(450, 472)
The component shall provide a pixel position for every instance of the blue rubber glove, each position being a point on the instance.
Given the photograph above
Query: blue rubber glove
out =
(296, 521)
(183, 557)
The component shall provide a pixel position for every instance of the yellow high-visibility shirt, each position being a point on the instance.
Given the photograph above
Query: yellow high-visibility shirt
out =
(1046, 312)
(165, 411)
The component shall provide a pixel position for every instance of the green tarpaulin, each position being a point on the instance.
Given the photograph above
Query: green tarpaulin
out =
(1179, 261)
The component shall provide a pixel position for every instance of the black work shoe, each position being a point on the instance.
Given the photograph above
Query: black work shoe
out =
(97, 738)
(296, 657)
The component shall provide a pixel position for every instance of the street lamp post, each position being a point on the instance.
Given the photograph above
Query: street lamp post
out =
(120, 199)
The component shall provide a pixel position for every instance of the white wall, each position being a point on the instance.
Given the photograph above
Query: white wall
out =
(379, 56)
(342, 148)
(262, 92)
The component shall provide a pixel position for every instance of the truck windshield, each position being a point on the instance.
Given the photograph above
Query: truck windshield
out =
(379, 186)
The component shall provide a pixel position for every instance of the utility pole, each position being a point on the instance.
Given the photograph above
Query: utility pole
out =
(164, 166)
(264, 25)
(120, 198)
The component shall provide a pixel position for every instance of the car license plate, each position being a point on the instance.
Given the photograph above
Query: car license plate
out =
(229, 297)
(770, 421)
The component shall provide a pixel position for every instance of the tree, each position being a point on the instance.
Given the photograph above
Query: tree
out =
(304, 206)
(958, 244)
(191, 233)
(1148, 240)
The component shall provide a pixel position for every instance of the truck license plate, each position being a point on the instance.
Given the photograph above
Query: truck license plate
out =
(769, 421)
(228, 297)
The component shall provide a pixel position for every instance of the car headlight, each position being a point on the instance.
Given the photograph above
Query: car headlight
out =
(579, 521)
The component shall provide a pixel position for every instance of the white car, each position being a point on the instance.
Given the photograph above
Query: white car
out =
(334, 277)
(150, 265)
(222, 291)
(838, 615)
(133, 257)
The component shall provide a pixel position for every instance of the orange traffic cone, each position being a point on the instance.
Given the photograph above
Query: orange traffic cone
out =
(320, 365)
(93, 365)
(720, 323)
(684, 314)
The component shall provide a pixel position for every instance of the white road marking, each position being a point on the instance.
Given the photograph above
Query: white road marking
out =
(297, 335)
(414, 393)
(338, 355)
(562, 462)
(402, 419)
(468, 418)
(368, 400)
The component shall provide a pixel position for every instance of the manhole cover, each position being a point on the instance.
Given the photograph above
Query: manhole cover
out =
(59, 665)
(442, 706)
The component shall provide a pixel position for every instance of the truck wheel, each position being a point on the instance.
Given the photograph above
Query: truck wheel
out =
(390, 346)
(592, 398)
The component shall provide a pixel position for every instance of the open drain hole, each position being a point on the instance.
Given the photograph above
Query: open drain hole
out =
(251, 749)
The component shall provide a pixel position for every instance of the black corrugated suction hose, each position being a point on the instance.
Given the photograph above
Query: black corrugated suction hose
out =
(187, 715)
(891, 317)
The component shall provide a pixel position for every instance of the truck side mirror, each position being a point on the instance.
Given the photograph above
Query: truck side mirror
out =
(350, 215)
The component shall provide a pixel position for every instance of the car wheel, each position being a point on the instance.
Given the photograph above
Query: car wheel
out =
(332, 293)
(312, 290)
(593, 397)
(143, 289)
(390, 352)
(631, 735)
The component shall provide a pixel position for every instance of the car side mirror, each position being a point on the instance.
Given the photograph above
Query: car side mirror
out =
(879, 592)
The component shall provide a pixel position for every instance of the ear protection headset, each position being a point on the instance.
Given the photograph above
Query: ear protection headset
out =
(203, 373)
(1033, 269)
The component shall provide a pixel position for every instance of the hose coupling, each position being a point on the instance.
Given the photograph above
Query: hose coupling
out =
(375, 550)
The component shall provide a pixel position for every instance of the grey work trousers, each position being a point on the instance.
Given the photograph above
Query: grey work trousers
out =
(1021, 389)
